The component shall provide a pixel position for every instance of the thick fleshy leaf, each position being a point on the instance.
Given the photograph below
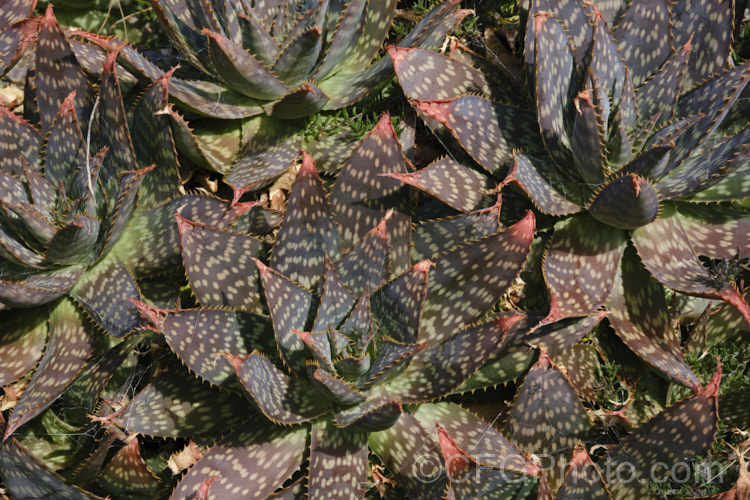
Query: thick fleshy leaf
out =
(333, 388)
(660, 441)
(211, 144)
(365, 266)
(70, 344)
(257, 168)
(21, 343)
(151, 241)
(299, 57)
(397, 306)
(659, 93)
(12, 189)
(65, 150)
(250, 463)
(581, 264)
(74, 243)
(651, 163)
(547, 417)
(24, 219)
(289, 305)
(308, 233)
(282, 399)
(588, 140)
(43, 193)
(583, 364)
(551, 190)
(219, 265)
(348, 28)
(471, 479)
(256, 39)
(555, 85)
(709, 24)
(626, 202)
(338, 462)
(319, 345)
(715, 231)
(57, 74)
(39, 288)
(718, 170)
(638, 313)
(15, 252)
(153, 144)
(450, 182)
(22, 142)
(487, 130)
(25, 476)
(389, 356)
(661, 246)
(427, 75)
(336, 301)
(643, 38)
(408, 451)
(434, 237)
(606, 65)
(360, 197)
(199, 336)
(177, 405)
(582, 479)
(359, 323)
(733, 408)
(457, 275)
(303, 101)
(241, 70)
(16, 10)
(104, 292)
(375, 414)
(127, 473)
(436, 371)
(572, 14)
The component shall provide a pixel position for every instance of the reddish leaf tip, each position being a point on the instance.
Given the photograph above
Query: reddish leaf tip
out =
(580, 457)
(49, 16)
(688, 45)
(598, 16)
(236, 361)
(262, 268)
(455, 459)
(68, 105)
(439, 110)
(109, 64)
(237, 194)
(183, 225)
(524, 229)
(308, 165)
(242, 208)
(398, 54)
(155, 315)
(384, 126)
(506, 323)
(203, 489)
(539, 19)
(164, 79)
(424, 266)
(712, 387)
(734, 297)
(306, 337)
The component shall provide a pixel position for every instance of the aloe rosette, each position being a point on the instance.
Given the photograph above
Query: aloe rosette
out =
(635, 146)
(270, 65)
(340, 342)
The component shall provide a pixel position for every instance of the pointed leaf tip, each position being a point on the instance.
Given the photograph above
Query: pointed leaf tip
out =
(262, 268)
(712, 387)
(398, 54)
(734, 297)
(49, 16)
(539, 19)
(155, 315)
(68, 105)
(236, 361)
(424, 266)
(183, 225)
(165, 78)
(524, 229)
(109, 64)
(308, 165)
(439, 110)
(455, 459)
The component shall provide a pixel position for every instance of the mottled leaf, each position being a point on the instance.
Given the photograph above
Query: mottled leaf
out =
(582, 479)
(70, 344)
(177, 405)
(659, 93)
(308, 233)
(74, 243)
(547, 417)
(588, 140)
(659, 444)
(482, 270)
(338, 462)
(583, 365)
(250, 463)
(303, 101)
(333, 388)
(279, 397)
(348, 28)
(715, 231)
(625, 202)
(38, 288)
(643, 38)
(298, 58)
(219, 265)
(289, 305)
(606, 65)
(487, 130)
(390, 357)
(127, 473)
(336, 301)
(21, 343)
(257, 168)
(366, 265)
(638, 313)
(65, 149)
(550, 189)
(360, 197)
(21, 142)
(580, 265)
(397, 306)
(104, 292)
(376, 413)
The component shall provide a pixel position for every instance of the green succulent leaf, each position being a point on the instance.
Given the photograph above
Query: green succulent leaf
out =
(349, 28)
(256, 39)
(65, 146)
(22, 342)
(397, 306)
(74, 243)
(659, 93)
(299, 57)
(176, 404)
(219, 265)
(19, 254)
(71, 341)
(582, 479)
(457, 275)
(583, 364)
(377, 25)
(390, 358)
(38, 288)
(305, 100)
(625, 202)
(332, 387)
(589, 251)
(376, 413)
(336, 301)
(638, 313)
(250, 463)
(338, 462)
(360, 197)
(282, 399)
(359, 323)
(716, 232)
(256, 168)
(550, 189)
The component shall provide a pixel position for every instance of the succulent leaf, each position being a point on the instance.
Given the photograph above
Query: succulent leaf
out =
(397, 307)
(552, 191)
(643, 38)
(298, 58)
(366, 265)
(588, 139)
(333, 388)
(659, 93)
(582, 479)
(38, 288)
(626, 202)
(70, 344)
(65, 145)
(22, 342)
(24, 145)
(127, 473)
(338, 462)
(336, 301)
(374, 414)
(715, 231)
(305, 100)
(257, 449)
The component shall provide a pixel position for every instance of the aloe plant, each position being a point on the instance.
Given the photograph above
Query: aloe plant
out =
(631, 152)
(277, 62)
(340, 339)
